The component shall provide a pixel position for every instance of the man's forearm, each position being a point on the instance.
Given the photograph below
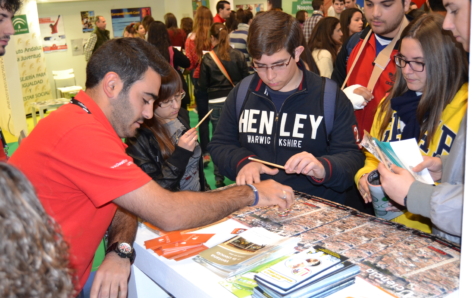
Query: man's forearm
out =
(123, 227)
(185, 209)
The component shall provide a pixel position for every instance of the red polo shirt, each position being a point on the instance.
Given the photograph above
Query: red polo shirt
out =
(78, 165)
(218, 19)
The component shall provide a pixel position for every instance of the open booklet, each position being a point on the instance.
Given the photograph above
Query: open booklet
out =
(404, 154)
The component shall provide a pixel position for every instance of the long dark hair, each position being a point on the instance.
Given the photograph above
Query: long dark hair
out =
(446, 69)
(220, 33)
(201, 26)
(346, 19)
(170, 85)
(186, 24)
(159, 37)
(321, 37)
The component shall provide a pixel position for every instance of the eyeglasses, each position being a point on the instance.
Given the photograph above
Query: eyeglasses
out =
(177, 97)
(275, 67)
(414, 65)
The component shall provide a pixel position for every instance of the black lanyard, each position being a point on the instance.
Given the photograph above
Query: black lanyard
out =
(80, 104)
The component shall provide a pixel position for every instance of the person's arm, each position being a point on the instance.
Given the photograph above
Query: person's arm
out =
(205, 72)
(180, 59)
(88, 49)
(113, 274)
(185, 209)
(190, 51)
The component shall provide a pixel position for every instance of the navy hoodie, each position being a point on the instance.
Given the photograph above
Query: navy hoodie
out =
(265, 133)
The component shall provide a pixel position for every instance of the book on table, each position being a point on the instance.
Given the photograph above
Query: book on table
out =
(245, 251)
(307, 273)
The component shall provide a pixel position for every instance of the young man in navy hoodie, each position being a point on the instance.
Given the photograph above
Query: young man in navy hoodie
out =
(281, 119)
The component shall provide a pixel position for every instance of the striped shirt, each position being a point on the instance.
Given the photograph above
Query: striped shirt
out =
(238, 41)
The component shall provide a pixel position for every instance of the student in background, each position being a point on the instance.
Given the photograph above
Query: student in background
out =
(301, 17)
(223, 12)
(427, 102)
(140, 30)
(351, 22)
(146, 21)
(325, 43)
(310, 23)
(238, 38)
(165, 146)
(177, 36)
(232, 22)
(158, 36)
(217, 69)
(338, 7)
(197, 42)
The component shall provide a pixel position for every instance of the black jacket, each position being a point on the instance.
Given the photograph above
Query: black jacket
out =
(145, 151)
(212, 79)
(275, 136)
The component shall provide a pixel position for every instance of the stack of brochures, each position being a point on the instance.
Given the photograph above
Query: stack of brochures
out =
(246, 251)
(315, 272)
(177, 246)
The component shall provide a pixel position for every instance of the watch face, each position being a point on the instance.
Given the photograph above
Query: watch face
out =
(125, 248)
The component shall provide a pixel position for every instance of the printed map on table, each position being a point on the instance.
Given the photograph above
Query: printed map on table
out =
(402, 261)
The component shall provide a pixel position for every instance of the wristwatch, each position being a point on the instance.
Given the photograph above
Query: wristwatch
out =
(124, 250)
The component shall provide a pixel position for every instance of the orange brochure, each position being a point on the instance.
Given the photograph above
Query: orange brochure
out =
(156, 243)
(188, 240)
(190, 253)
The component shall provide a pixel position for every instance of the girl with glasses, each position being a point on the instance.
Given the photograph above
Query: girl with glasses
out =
(165, 147)
(427, 101)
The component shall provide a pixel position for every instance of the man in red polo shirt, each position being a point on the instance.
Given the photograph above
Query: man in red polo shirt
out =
(77, 162)
(223, 12)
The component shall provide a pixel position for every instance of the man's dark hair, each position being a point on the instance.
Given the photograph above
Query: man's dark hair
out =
(436, 5)
(272, 31)
(246, 17)
(11, 5)
(221, 5)
(316, 4)
(129, 58)
(275, 4)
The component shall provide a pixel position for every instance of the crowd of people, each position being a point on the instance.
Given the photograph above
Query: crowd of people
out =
(293, 91)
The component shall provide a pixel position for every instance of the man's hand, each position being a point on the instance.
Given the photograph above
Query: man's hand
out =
(365, 93)
(364, 188)
(433, 164)
(251, 172)
(397, 184)
(188, 140)
(305, 163)
(111, 277)
(274, 193)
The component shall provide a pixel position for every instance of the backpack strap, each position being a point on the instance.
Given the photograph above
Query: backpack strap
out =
(221, 67)
(329, 95)
(242, 92)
